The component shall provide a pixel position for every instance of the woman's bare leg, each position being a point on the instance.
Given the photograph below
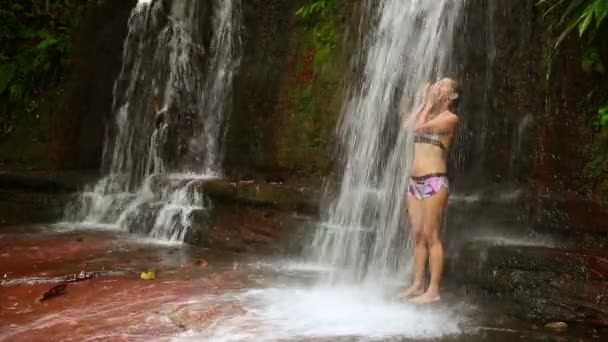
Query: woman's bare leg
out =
(434, 207)
(421, 251)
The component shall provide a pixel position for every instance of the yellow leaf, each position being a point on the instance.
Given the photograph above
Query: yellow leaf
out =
(147, 275)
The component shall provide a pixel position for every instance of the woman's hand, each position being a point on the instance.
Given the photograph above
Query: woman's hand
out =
(430, 99)
(443, 122)
(422, 111)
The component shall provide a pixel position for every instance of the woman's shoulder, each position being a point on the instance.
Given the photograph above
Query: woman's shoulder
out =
(449, 114)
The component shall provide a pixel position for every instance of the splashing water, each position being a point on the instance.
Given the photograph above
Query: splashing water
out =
(350, 314)
(171, 67)
(410, 44)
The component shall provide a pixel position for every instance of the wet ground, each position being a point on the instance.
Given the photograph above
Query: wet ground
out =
(205, 295)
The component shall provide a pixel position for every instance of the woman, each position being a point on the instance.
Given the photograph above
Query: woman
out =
(428, 187)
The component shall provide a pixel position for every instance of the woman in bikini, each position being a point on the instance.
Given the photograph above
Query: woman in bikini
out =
(428, 186)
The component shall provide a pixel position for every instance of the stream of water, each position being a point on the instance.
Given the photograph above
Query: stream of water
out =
(410, 43)
(172, 100)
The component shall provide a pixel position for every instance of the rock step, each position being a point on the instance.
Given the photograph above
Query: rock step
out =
(545, 283)
(263, 194)
(45, 181)
(275, 195)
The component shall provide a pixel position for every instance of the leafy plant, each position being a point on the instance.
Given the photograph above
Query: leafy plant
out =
(592, 62)
(317, 15)
(34, 53)
(587, 16)
(315, 8)
(588, 19)
(602, 120)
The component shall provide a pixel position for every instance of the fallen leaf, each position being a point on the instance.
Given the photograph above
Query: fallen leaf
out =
(556, 326)
(148, 275)
(201, 263)
(53, 292)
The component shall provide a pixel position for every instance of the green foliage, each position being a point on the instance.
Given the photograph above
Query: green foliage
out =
(587, 16)
(592, 62)
(596, 168)
(317, 15)
(601, 120)
(318, 7)
(35, 46)
(588, 19)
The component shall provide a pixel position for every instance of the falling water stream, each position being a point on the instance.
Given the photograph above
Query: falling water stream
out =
(172, 100)
(410, 44)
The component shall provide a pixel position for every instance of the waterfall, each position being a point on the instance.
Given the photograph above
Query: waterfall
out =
(364, 233)
(172, 100)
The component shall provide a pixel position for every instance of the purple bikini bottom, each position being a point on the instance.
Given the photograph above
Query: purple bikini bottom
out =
(428, 185)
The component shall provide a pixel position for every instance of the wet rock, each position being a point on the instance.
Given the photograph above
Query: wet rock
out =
(244, 228)
(201, 222)
(18, 207)
(201, 263)
(141, 219)
(584, 220)
(575, 264)
(200, 316)
(558, 326)
(541, 283)
(45, 181)
(263, 194)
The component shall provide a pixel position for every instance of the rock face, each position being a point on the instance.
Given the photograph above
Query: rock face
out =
(289, 93)
(500, 71)
(545, 284)
(516, 127)
(260, 217)
(37, 197)
(77, 125)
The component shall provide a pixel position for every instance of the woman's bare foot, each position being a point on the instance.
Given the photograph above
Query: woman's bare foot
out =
(426, 298)
(414, 290)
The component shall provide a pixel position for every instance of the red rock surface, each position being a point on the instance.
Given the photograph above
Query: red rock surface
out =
(117, 305)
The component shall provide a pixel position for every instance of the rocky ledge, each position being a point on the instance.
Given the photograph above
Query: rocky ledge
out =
(37, 196)
(258, 216)
(543, 284)
(242, 216)
(279, 196)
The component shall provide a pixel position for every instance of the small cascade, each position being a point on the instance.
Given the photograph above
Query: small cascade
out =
(172, 100)
(409, 44)
(166, 208)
